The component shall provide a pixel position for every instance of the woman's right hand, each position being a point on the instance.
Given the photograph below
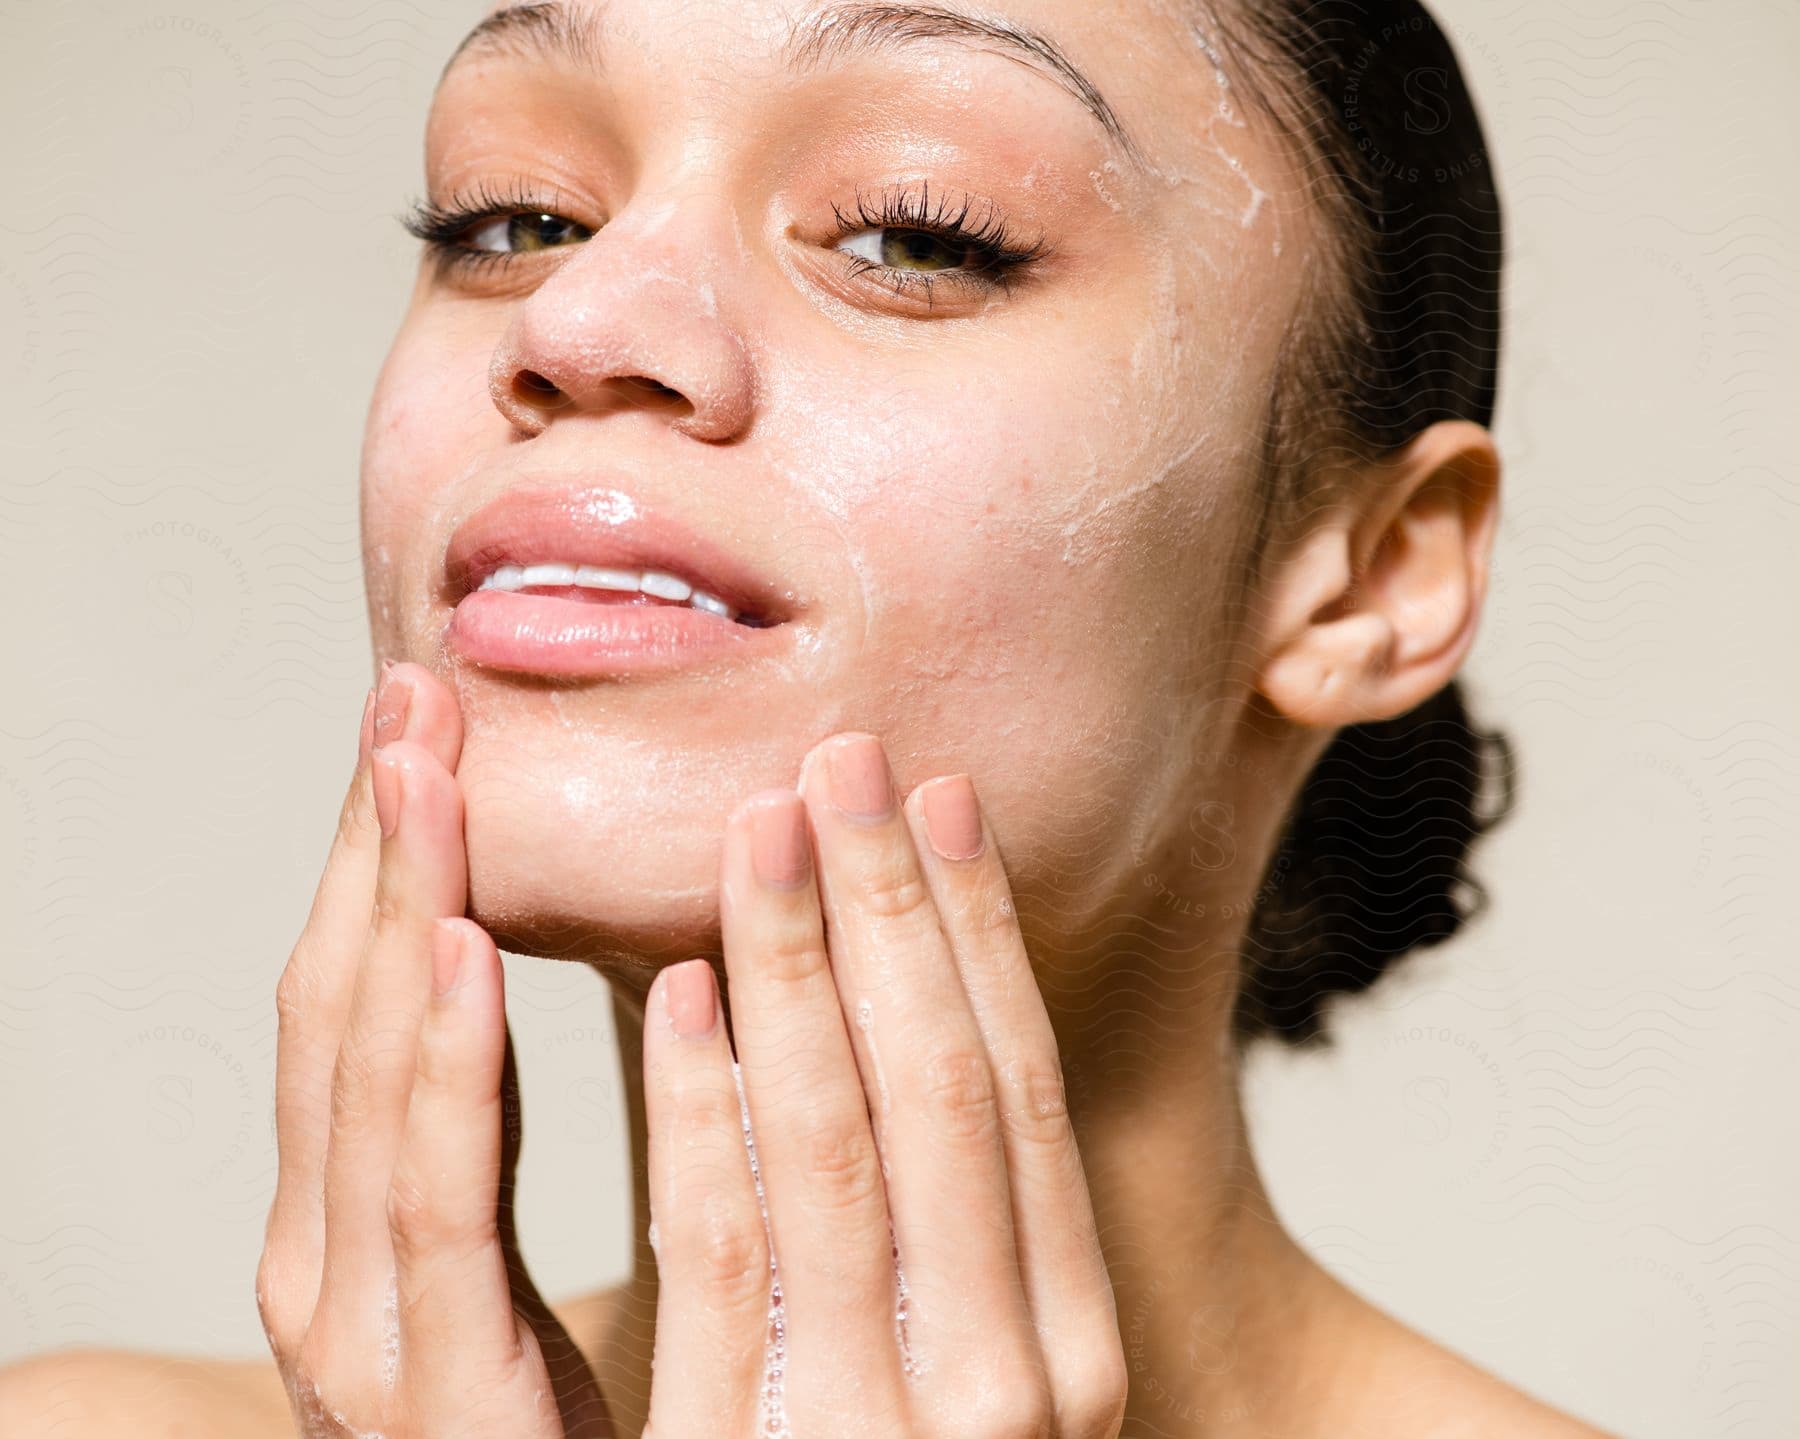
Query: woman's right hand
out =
(914, 1174)
(390, 1284)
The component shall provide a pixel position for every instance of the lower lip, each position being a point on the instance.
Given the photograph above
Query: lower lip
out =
(548, 634)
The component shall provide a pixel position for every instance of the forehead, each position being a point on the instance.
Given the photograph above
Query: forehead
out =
(1143, 68)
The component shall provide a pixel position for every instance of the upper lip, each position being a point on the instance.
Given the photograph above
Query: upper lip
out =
(597, 524)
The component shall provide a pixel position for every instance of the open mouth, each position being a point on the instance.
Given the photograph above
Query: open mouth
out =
(598, 584)
(587, 581)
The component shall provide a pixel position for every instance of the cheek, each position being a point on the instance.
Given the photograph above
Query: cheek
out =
(1027, 524)
(426, 425)
(1035, 591)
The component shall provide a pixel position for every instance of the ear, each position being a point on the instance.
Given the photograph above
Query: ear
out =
(1373, 608)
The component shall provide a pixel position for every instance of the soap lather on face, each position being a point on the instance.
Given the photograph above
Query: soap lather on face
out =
(1009, 524)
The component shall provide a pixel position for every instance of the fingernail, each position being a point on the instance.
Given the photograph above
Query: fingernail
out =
(691, 994)
(779, 851)
(388, 789)
(448, 945)
(861, 786)
(393, 705)
(365, 737)
(952, 817)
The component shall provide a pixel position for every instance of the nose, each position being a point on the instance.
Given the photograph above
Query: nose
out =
(620, 326)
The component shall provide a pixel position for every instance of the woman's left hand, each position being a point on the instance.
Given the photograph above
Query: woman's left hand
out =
(898, 1068)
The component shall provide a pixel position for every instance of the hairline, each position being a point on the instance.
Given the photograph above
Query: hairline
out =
(837, 31)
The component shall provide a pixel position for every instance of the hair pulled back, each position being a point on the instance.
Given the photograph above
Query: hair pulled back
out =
(1402, 330)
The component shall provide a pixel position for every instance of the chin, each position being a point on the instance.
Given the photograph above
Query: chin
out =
(601, 847)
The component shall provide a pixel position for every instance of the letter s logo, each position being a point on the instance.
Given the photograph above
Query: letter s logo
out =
(1210, 824)
(1427, 90)
(1211, 1342)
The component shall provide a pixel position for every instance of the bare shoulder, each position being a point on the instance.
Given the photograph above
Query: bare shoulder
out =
(77, 1393)
(1483, 1407)
(103, 1393)
(1422, 1390)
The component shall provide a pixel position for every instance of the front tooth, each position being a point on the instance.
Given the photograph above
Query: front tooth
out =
(664, 587)
(593, 577)
(596, 577)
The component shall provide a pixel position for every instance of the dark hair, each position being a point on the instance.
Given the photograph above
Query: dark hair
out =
(1401, 329)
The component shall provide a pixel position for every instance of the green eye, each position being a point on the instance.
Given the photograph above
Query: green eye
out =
(514, 234)
(920, 250)
(900, 249)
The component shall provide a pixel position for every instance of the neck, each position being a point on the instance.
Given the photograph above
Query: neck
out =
(1219, 1310)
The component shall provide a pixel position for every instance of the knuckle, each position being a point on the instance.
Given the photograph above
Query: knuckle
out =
(1010, 1408)
(293, 995)
(1092, 1405)
(893, 890)
(958, 1092)
(374, 1067)
(1036, 1108)
(728, 1251)
(708, 1104)
(838, 1159)
(793, 960)
(352, 1085)
(362, 1085)
(420, 1224)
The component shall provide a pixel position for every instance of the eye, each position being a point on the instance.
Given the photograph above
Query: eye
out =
(924, 245)
(514, 234)
(918, 250)
(485, 229)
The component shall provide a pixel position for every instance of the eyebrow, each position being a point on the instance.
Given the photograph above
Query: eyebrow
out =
(834, 33)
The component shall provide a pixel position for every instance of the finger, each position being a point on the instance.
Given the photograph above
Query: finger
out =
(931, 1090)
(712, 1251)
(809, 1121)
(453, 1304)
(1066, 1282)
(422, 877)
(313, 996)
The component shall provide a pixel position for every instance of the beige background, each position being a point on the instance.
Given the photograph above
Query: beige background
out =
(1564, 1144)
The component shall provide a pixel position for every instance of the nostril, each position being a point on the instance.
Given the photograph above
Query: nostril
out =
(534, 398)
(534, 389)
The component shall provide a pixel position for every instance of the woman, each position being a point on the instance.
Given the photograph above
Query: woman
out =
(972, 522)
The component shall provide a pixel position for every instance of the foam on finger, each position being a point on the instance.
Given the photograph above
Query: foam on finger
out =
(774, 1423)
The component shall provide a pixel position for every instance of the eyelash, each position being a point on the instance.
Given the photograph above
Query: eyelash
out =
(968, 224)
(978, 227)
(442, 226)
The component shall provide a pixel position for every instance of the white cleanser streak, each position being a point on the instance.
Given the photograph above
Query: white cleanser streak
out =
(1145, 457)
(390, 1336)
(774, 1408)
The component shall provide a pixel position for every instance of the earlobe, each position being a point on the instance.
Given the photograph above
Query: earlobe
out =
(1376, 606)
(1325, 679)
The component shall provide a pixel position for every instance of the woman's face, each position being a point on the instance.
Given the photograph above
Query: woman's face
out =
(995, 484)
